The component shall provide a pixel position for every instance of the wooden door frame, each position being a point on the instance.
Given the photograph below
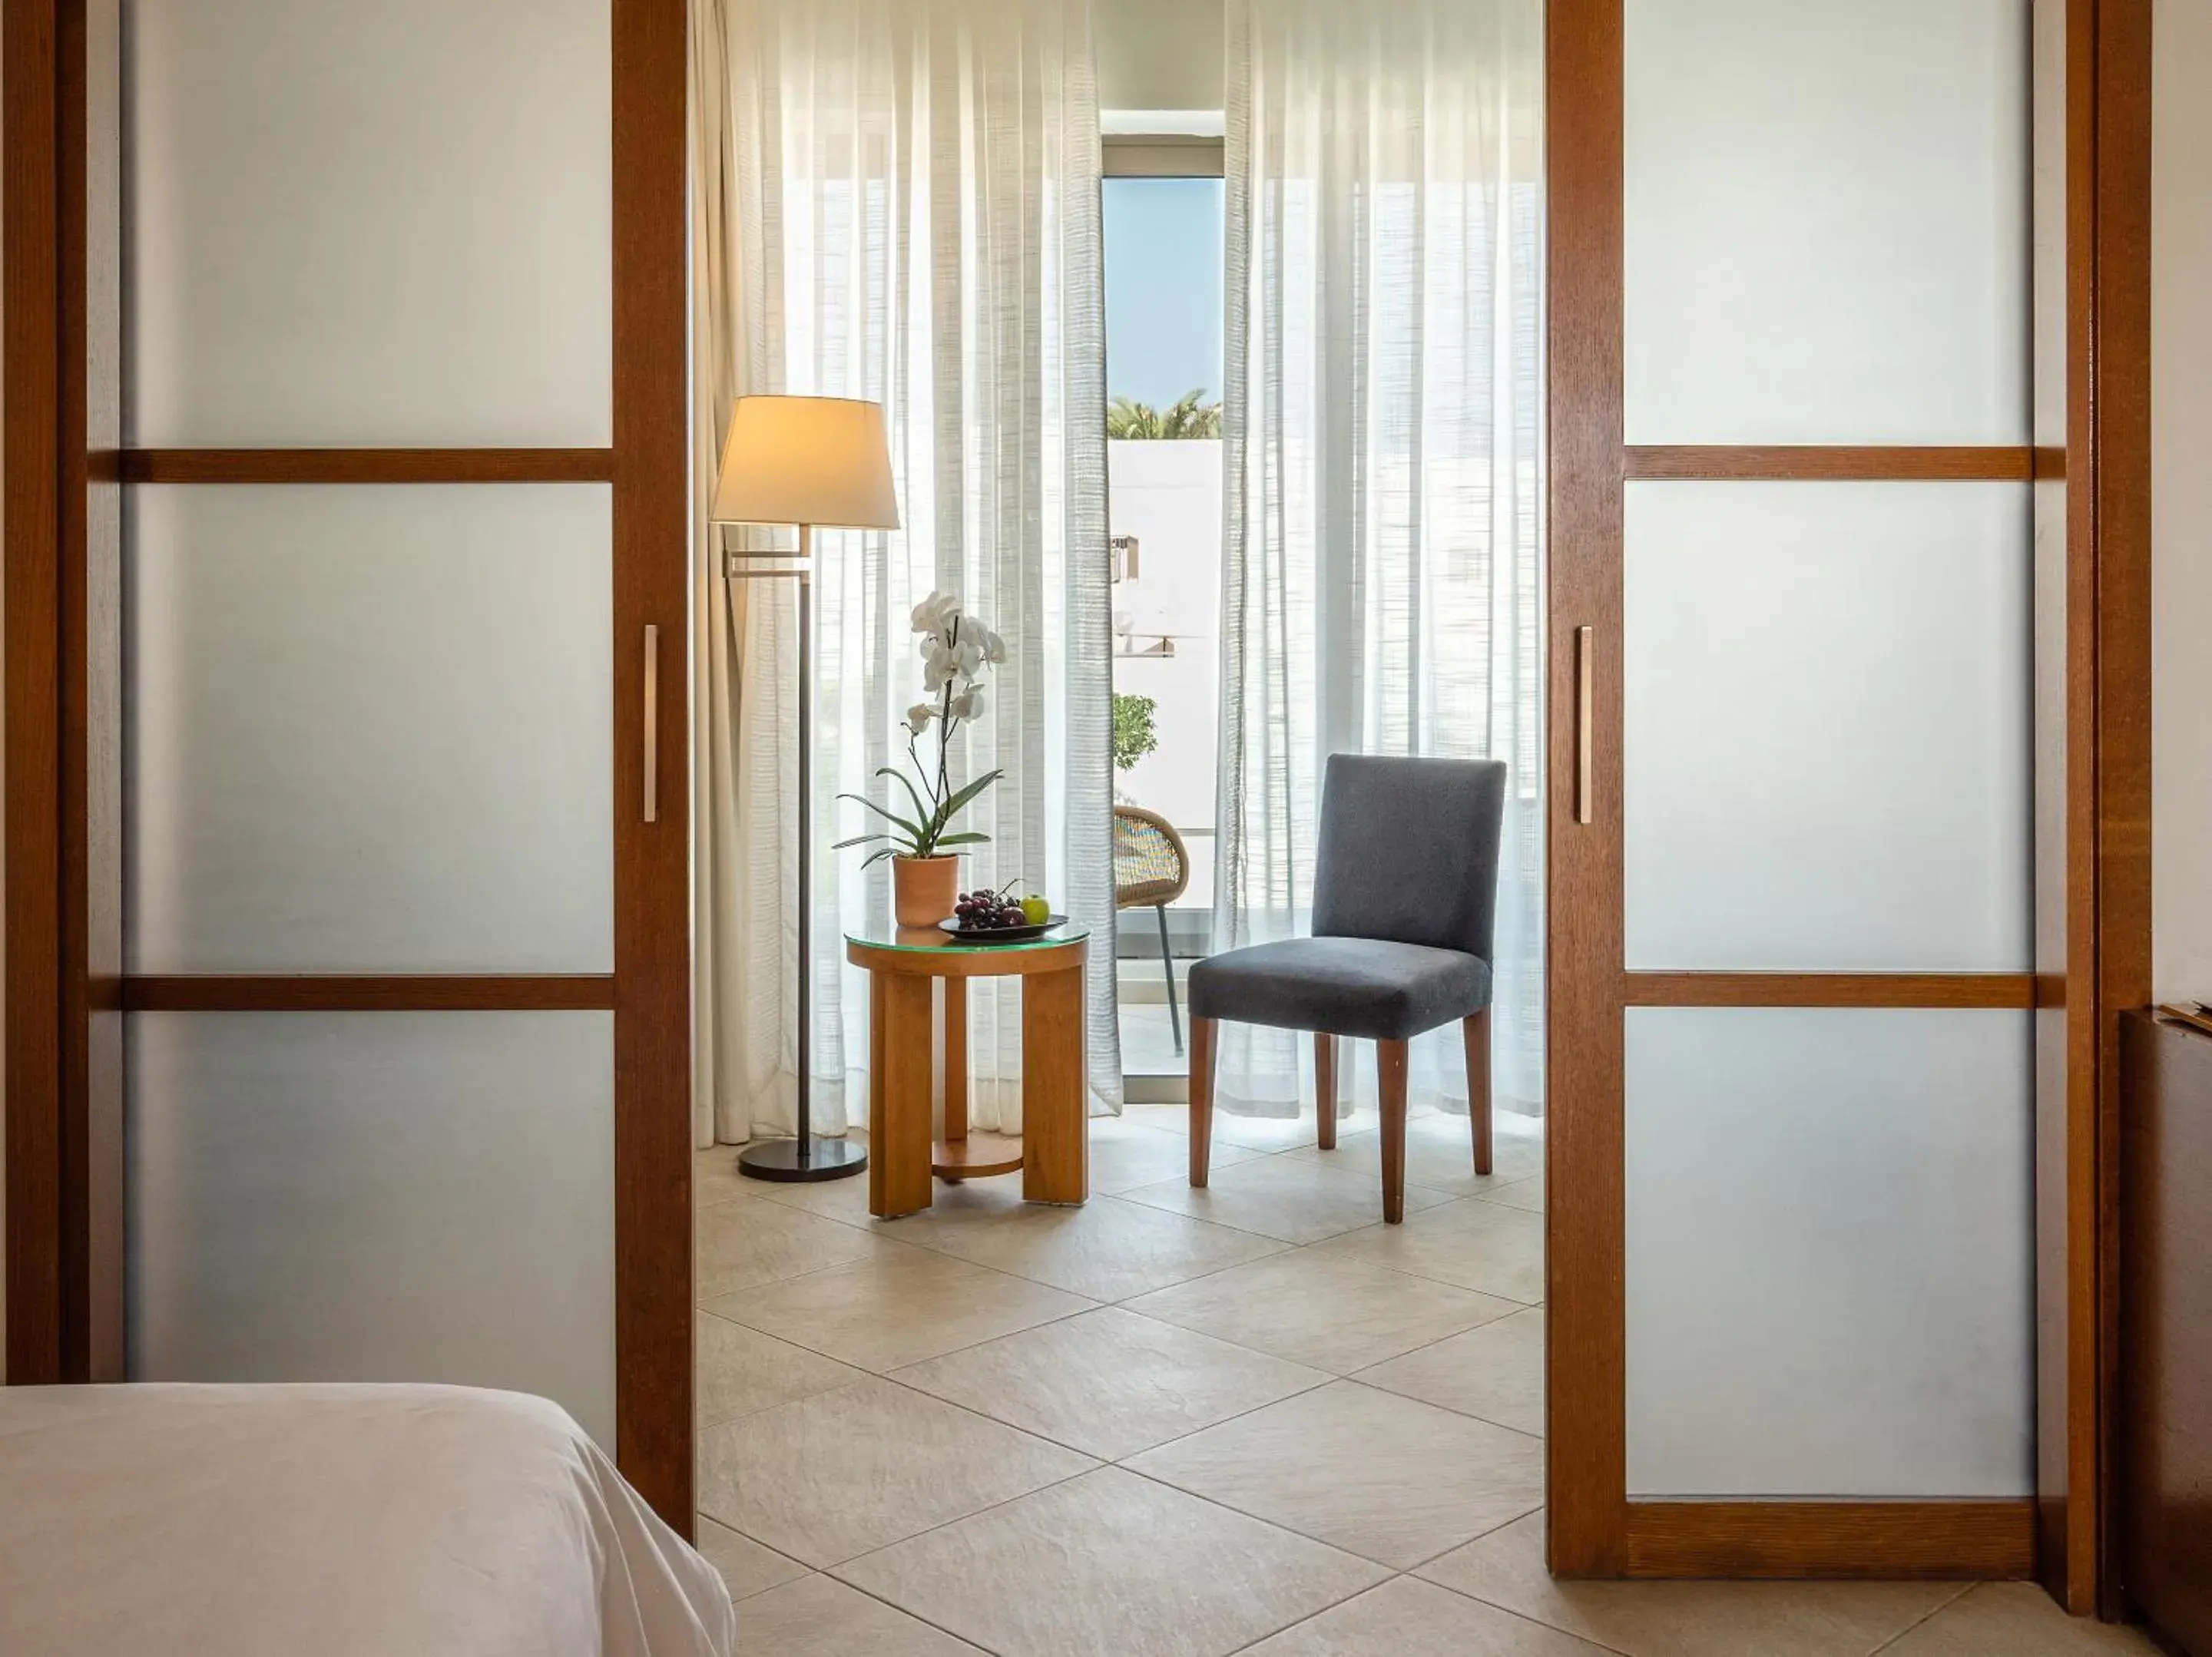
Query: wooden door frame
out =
(1593, 1529)
(61, 231)
(60, 508)
(2105, 864)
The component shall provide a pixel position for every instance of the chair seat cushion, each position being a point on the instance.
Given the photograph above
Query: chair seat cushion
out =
(1358, 986)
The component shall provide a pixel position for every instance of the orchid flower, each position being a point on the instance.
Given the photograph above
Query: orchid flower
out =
(955, 649)
(935, 613)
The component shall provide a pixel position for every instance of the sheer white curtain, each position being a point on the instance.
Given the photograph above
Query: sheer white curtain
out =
(722, 1090)
(916, 190)
(1383, 585)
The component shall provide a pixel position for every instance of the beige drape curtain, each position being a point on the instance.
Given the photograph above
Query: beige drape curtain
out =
(1382, 548)
(899, 200)
(722, 1088)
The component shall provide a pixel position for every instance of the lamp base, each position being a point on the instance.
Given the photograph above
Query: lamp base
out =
(790, 1162)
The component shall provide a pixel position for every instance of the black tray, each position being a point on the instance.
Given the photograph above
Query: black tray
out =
(950, 925)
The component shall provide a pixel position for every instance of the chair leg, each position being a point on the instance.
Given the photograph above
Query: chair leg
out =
(1477, 1030)
(1325, 1089)
(1390, 1065)
(1167, 966)
(1201, 1099)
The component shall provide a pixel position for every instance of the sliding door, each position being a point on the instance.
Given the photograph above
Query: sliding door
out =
(400, 617)
(1793, 1319)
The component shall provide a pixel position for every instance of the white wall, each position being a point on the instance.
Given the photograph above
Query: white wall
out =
(1159, 54)
(2181, 281)
(1168, 494)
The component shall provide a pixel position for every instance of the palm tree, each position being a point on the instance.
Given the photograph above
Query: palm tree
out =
(1188, 416)
(1128, 419)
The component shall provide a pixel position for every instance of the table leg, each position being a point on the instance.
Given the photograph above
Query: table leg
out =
(955, 1058)
(1055, 1096)
(956, 1069)
(901, 1010)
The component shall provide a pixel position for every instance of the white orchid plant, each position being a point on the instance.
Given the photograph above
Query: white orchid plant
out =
(956, 650)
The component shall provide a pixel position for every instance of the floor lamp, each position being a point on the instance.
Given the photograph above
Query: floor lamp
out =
(814, 462)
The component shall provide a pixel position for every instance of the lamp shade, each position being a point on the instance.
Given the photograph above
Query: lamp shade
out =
(819, 460)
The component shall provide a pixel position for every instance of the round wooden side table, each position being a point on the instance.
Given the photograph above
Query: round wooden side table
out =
(1053, 1151)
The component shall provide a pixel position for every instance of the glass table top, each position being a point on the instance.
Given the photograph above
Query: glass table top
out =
(881, 931)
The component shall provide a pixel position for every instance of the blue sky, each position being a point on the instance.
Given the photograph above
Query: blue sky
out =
(1164, 304)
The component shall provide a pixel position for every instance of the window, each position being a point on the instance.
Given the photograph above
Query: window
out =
(1165, 317)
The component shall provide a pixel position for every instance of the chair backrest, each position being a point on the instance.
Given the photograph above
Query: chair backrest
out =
(1408, 850)
(1150, 863)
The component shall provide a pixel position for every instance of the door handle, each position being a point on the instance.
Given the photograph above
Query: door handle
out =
(1585, 718)
(652, 723)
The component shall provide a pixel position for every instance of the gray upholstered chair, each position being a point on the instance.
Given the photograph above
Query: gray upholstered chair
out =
(1405, 906)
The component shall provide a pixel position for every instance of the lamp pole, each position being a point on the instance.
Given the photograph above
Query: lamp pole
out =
(806, 1141)
(803, 1157)
(806, 461)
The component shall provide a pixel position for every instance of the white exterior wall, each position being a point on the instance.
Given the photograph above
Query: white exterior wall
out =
(1168, 494)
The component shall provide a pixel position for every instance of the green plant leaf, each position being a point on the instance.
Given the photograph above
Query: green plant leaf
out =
(964, 795)
(1189, 416)
(1134, 735)
(964, 840)
(885, 812)
(879, 855)
(920, 805)
(858, 840)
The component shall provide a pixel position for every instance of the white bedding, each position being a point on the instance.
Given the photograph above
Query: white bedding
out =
(335, 1520)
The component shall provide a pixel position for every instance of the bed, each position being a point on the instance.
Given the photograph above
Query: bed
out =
(339, 1519)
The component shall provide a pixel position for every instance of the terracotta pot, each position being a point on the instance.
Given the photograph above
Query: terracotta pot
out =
(924, 889)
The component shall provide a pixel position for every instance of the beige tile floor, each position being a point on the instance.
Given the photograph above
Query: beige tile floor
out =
(1179, 1424)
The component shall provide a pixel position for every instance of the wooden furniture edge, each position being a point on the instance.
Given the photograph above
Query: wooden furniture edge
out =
(1585, 1443)
(1838, 462)
(2012, 991)
(1981, 1540)
(652, 531)
(975, 1155)
(248, 992)
(407, 466)
(981, 962)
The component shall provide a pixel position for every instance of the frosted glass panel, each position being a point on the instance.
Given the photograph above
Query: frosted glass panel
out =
(1827, 222)
(2050, 25)
(1827, 730)
(386, 224)
(375, 1196)
(370, 730)
(1830, 1271)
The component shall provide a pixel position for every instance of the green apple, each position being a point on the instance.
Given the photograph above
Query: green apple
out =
(1035, 911)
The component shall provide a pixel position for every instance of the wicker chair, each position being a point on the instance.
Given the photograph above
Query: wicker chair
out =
(1151, 869)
